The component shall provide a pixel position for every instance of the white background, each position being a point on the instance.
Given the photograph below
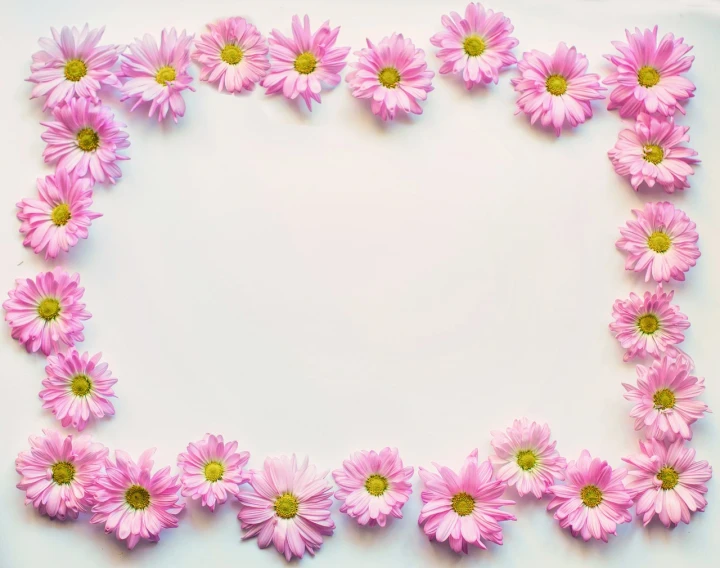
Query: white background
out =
(321, 283)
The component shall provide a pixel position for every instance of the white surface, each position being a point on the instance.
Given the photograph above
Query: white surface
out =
(325, 283)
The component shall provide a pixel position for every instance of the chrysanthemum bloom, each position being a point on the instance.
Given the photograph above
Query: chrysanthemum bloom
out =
(58, 473)
(233, 55)
(477, 46)
(72, 64)
(373, 485)
(648, 75)
(393, 74)
(556, 88)
(463, 508)
(46, 312)
(667, 481)
(133, 502)
(158, 74)
(288, 507)
(593, 501)
(526, 457)
(212, 469)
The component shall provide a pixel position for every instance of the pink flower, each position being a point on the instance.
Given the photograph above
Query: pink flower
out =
(650, 325)
(77, 387)
(84, 138)
(299, 66)
(288, 507)
(463, 508)
(648, 75)
(71, 64)
(133, 502)
(477, 46)
(593, 501)
(373, 485)
(556, 88)
(393, 74)
(233, 55)
(58, 473)
(46, 312)
(211, 469)
(158, 74)
(527, 458)
(667, 481)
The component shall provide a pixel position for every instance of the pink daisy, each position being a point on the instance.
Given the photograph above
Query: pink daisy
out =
(158, 74)
(526, 457)
(373, 485)
(84, 138)
(46, 312)
(393, 74)
(477, 46)
(211, 469)
(288, 507)
(463, 508)
(133, 502)
(233, 55)
(72, 64)
(667, 481)
(648, 75)
(593, 501)
(556, 88)
(58, 473)
(301, 65)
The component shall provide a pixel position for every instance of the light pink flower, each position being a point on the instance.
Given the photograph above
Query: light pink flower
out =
(593, 500)
(46, 312)
(556, 88)
(233, 55)
(373, 485)
(526, 457)
(158, 74)
(477, 46)
(648, 75)
(72, 64)
(58, 473)
(393, 74)
(133, 502)
(463, 508)
(288, 507)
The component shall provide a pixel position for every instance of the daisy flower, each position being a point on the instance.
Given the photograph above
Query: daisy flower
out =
(463, 508)
(477, 46)
(45, 313)
(393, 74)
(233, 55)
(211, 469)
(373, 485)
(72, 64)
(648, 75)
(556, 88)
(526, 457)
(288, 507)
(158, 74)
(77, 387)
(301, 65)
(58, 473)
(593, 501)
(133, 502)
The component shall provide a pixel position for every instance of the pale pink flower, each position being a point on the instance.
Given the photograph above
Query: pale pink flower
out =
(463, 508)
(373, 485)
(135, 503)
(45, 313)
(526, 457)
(58, 473)
(393, 74)
(289, 507)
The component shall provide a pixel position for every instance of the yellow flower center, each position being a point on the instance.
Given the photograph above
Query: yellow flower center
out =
(214, 471)
(48, 309)
(137, 497)
(653, 153)
(664, 399)
(88, 140)
(231, 54)
(648, 324)
(659, 241)
(648, 76)
(474, 45)
(75, 70)
(376, 485)
(286, 506)
(165, 75)
(63, 473)
(60, 214)
(81, 385)
(556, 85)
(526, 459)
(591, 496)
(463, 504)
(305, 63)
(389, 77)
(669, 477)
